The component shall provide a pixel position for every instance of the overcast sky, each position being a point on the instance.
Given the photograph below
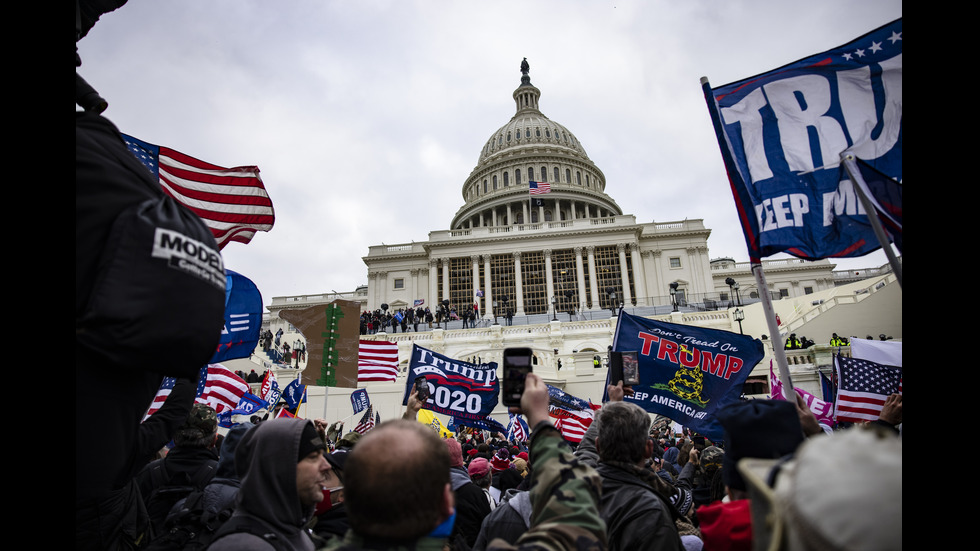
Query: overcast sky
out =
(366, 116)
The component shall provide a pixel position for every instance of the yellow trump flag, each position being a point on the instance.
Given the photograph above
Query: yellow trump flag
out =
(426, 417)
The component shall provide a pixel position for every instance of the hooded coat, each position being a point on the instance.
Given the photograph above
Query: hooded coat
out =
(268, 501)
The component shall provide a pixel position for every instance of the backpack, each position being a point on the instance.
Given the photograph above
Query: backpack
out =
(255, 527)
(149, 276)
(168, 490)
(191, 526)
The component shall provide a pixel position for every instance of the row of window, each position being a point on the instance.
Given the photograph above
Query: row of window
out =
(492, 183)
(506, 138)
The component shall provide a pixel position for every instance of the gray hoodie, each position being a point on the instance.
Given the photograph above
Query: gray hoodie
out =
(267, 457)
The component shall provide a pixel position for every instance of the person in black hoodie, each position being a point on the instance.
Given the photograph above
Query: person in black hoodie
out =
(284, 479)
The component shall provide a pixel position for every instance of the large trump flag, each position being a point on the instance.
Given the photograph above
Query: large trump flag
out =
(687, 373)
(784, 133)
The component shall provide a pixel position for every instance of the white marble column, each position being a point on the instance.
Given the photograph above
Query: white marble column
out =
(549, 283)
(593, 278)
(639, 278)
(580, 277)
(518, 283)
(433, 283)
(475, 263)
(445, 279)
(487, 290)
(624, 275)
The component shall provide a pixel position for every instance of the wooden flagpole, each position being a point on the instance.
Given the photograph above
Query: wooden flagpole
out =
(778, 342)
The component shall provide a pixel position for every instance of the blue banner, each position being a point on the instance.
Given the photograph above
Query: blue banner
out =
(461, 389)
(359, 400)
(782, 135)
(563, 400)
(487, 423)
(294, 394)
(687, 373)
(247, 405)
(243, 318)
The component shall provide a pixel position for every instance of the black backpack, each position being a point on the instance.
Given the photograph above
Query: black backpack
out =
(191, 526)
(149, 276)
(169, 489)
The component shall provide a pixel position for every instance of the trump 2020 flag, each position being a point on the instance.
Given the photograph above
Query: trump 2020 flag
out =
(687, 373)
(465, 390)
(243, 318)
(232, 202)
(783, 134)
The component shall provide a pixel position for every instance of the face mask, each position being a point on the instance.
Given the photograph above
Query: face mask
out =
(327, 503)
(446, 528)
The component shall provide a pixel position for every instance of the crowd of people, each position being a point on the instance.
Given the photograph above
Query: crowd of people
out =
(629, 484)
(410, 319)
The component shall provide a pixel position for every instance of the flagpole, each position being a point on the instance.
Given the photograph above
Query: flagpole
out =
(777, 341)
(872, 212)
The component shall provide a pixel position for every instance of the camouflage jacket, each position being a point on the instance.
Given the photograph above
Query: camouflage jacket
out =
(565, 498)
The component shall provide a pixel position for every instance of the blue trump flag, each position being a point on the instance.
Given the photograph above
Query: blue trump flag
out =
(783, 133)
(687, 373)
(247, 405)
(464, 390)
(243, 318)
(359, 400)
(294, 394)
(487, 423)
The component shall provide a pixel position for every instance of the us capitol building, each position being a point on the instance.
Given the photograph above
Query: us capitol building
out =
(571, 249)
(562, 263)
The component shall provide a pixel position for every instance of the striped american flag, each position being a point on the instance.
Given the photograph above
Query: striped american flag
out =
(539, 188)
(377, 361)
(232, 202)
(573, 426)
(863, 386)
(367, 421)
(165, 387)
(220, 388)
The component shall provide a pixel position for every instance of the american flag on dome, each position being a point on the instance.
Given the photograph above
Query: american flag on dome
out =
(863, 386)
(220, 388)
(377, 361)
(539, 188)
(232, 202)
(367, 421)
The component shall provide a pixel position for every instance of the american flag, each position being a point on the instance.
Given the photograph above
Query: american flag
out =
(377, 361)
(573, 426)
(232, 202)
(517, 430)
(165, 387)
(863, 386)
(367, 421)
(220, 388)
(539, 188)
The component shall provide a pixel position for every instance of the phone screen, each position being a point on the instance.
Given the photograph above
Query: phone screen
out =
(517, 364)
(422, 388)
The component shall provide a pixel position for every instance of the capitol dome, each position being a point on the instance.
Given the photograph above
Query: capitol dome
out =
(532, 147)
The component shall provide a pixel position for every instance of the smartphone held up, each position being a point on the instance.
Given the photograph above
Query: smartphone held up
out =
(517, 364)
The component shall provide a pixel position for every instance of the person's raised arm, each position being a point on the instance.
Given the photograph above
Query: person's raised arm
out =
(564, 490)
